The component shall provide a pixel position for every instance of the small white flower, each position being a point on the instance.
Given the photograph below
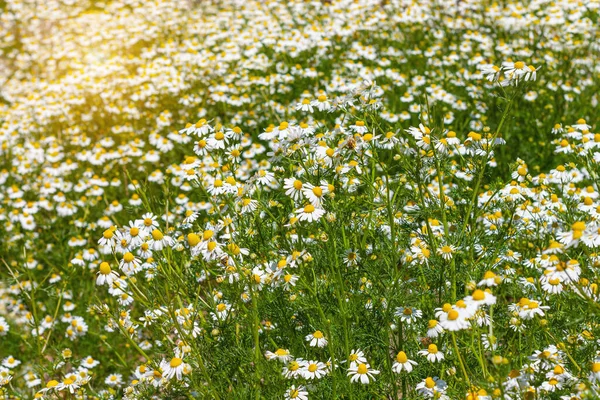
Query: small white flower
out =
(362, 372)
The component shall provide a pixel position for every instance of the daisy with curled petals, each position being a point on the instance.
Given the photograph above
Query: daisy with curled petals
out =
(454, 321)
(282, 355)
(531, 73)
(159, 240)
(434, 328)
(421, 135)
(316, 339)
(490, 279)
(51, 386)
(432, 353)
(313, 369)
(402, 363)
(200, 128)
(480, 298)
(218, 140)
(362, 373)
(173, 368)
(130, 264)
(248, 205)
(309, 213)
(108, 240)
(264, 177)
(106, 275)
(222, 310)
(294, 392)
(431, 387)
(514, 70)
(490, 72)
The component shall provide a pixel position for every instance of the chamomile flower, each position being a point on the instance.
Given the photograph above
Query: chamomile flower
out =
(528, 309)
(357, 357)
(114, 380)
(105, 274)
(310, 213)
(315, 194)
(129, 264)
(351, 258)
(454, 320)
(293, 369)
(431, 387)
(432, 353)
(313, 369)
(402, 363)
(434, 328)
(173, 368)
(362, 372)
(10, 362)
(480, 298)
(293, 188)
(294, 392)
(408, 315)
(446, 251)
(316, 339)
(282, 355)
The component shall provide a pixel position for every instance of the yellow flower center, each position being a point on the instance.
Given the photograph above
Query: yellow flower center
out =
(281, 352)
(105, 268)
(193, 239)
(401, 357)
(51, 383)
(478, 295)
(175, 362)
(452, 316)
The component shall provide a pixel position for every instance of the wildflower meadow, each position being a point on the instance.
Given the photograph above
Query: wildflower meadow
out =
(288, 199)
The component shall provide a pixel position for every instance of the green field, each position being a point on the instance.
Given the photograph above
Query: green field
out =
(354, 199)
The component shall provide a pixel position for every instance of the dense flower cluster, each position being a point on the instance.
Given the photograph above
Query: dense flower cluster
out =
(358, 199)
